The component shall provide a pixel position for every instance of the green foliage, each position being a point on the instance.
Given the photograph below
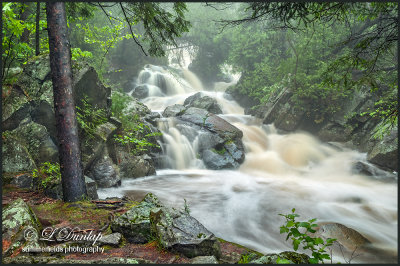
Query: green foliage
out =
(47, 173)
(89, 118)
(133, 140)
(244, 259)
(315, 244)
(280, 260)
(136, 136)
(186, 207)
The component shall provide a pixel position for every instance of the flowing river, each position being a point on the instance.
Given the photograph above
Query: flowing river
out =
(280, 172)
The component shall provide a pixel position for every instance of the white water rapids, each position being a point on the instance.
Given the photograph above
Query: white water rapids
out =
(280, 172)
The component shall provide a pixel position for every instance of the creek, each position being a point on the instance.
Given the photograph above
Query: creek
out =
(280, 172)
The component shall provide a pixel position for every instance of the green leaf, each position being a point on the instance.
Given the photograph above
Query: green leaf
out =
(313, 261)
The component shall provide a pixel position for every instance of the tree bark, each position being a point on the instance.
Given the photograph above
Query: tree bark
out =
(72, 178)
(37, 39)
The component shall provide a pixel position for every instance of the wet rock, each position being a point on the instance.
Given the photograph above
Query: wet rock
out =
(91, 188)
(180, 232)
(106, 131)
(16, 157)
(204, 260)
(348, 237)
(48, 151)
(213, 160)
(140, 92)
(203, 102)
(385, 152)
(111, 239)
(20, 227)
(135, 166)
(23, 181)
(292, 257)
(105, 173)
(219, 142)
(134, 225)
(86, 83)
(174, 110)
(189, 100)
(33, 135)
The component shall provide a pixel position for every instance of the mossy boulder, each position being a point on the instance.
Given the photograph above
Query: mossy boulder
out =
(16, 157)
(134, 225)
(178, 231)
(289, 257)
(20, 227)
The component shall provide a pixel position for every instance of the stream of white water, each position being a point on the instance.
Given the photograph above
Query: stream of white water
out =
(280, 172)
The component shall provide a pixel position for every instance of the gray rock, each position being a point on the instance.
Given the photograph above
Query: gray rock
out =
(204, 260)
(48, 151)
(111, 239)
(292, 257)
(20, 227)
(134, 225)
(180, 232)
(213, 160)
(23, 181)
(136, 166)
(105, 173)
(347, 237)
(203, 102)
(91, 188)
(385, 152)
(174, 110)
(16, 157)
(189, 100)
(140, 92)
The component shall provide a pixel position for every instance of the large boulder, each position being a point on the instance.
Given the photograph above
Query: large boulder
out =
(20, 227)
(347, 237)
(141, 91)
(105, 173)
(16, 157)
(135, 223)
(174, 110)
(219, 142)
(290, 257)
(203, 102)
(28, 112)
(178, 231)
(135, 166)
(385, 152)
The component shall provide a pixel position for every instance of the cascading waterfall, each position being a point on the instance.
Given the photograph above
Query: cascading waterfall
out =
(280, 172)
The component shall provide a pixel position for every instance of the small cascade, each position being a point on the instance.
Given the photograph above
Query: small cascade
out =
(179, 145)
(280, 172)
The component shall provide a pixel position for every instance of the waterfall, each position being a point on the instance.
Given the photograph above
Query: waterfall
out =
(280, 172)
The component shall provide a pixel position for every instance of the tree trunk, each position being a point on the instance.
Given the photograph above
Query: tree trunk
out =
(37, 40)
(72, 179)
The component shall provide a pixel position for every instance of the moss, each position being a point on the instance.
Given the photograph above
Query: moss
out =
(240, 246)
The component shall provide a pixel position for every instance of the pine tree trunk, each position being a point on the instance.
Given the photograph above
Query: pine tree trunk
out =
(73, 183)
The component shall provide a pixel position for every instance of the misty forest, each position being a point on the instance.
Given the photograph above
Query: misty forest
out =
(152, 132)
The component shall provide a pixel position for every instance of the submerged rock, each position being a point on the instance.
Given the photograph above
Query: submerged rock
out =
(178, 231)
